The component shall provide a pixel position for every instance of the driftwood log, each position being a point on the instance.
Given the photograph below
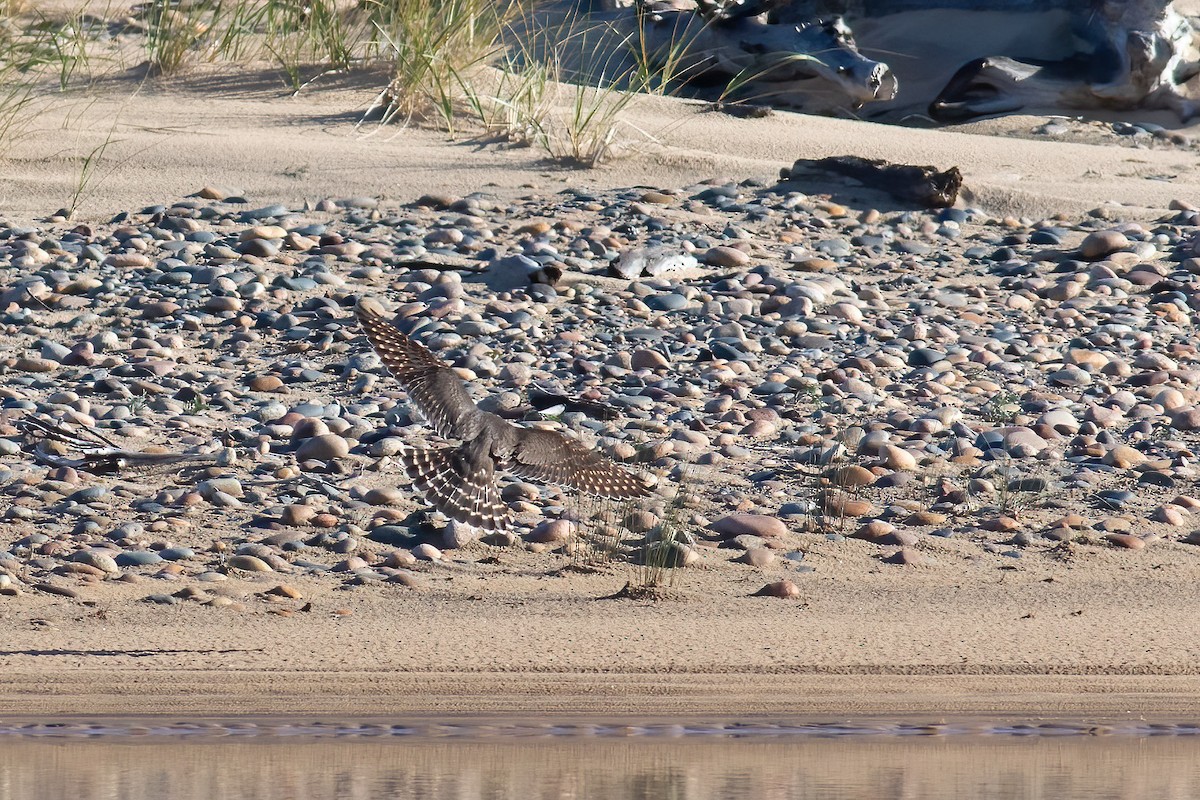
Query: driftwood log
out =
(96, 454)
(99, 455)
(923, 186)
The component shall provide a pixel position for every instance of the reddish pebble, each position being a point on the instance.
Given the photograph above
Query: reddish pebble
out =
(785, 589)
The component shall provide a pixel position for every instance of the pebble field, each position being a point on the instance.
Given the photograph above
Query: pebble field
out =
(800, 380)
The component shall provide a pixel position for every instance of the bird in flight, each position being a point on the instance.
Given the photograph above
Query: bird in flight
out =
(460, 480)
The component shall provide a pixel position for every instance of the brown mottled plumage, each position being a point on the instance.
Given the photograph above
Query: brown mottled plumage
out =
(460, 481)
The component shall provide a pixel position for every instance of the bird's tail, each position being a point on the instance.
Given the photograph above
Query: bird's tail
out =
(444, 476)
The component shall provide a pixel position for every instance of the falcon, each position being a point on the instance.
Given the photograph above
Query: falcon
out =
(460, 480)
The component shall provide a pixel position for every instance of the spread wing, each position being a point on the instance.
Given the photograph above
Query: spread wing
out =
(432, 386)
(462, 491)
(551, 457)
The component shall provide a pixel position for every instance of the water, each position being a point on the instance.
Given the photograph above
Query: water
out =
(279, 760)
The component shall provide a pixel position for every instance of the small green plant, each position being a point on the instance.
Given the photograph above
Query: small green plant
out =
(334, 36)
(1021, 489)
(1018, 485)
(667, 545)
(241, 30)
(21, 56)
(318, 32)
(1005, 474)
(810, 394)
(552, 91)
(842, 482)
(601, 536)
(197, 405)
(660, 69)
(833, 482)
(660, 557)
(1001, 408)
(587, 135)
(583, 130)
(66, 43)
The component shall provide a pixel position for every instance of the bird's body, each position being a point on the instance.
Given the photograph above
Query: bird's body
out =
(460, 480)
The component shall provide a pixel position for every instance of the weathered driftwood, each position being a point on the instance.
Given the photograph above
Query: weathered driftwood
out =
(98, 455)
(924, 186)
(1127, 54)
(713, 49)
(443, 263)
(775, 63)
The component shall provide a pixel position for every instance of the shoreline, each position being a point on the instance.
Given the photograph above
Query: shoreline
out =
(618, 698)
(972, 720)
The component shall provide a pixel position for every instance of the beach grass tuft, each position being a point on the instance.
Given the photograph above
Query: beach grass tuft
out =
(566, 93)
(434, 49)
(667, 546)
(174, 31)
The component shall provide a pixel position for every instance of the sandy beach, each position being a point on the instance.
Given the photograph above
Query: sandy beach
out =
(248, 134)
(940, 620)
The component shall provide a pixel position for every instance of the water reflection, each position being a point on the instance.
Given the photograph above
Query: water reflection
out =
(1120, 768)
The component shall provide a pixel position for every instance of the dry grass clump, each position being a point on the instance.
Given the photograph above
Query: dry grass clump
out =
(172, 32)
(833, 481)
(434, 49)
(293, 34)
(431, 48)
(11, 8)
(563, 87)
(601, 538)
(638, 535)
(665, 549)
(524, 81)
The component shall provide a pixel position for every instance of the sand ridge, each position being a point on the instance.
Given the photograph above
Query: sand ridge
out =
(248, 134)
